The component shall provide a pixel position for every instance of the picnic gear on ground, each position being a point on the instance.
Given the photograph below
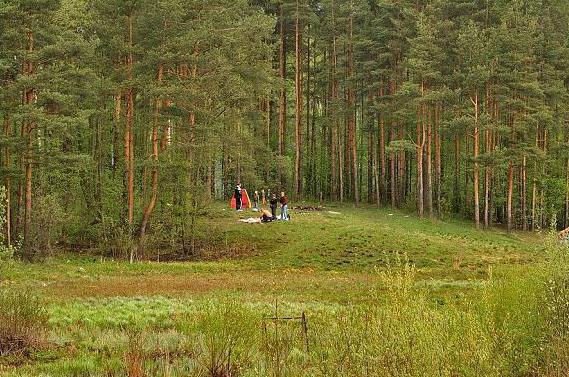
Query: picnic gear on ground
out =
(251, 220)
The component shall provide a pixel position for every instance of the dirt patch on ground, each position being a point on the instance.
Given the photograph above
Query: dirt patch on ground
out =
(206, 253)
(286, 281)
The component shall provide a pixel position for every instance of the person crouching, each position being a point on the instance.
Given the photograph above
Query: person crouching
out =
(266, 216)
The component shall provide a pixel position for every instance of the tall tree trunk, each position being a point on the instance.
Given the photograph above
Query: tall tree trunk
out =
(392, 181)
(487, 143)
(420, 140)
(341, 165)
(352, 137)
(476, 169)
(542, 192)
(299, 103)
(282, 73)
(128, 135)
(567, 193)
(370, 165)
(149, 209)
(456, 186)
(381, 188)
(335, 94)
(20, 190)
(309, 156)
(510, 195)
(7, 182)
(29, 155)
(116, 131)
(429, 160)
(438, 161)
(419, 151)
(402, 168)
(523, 195)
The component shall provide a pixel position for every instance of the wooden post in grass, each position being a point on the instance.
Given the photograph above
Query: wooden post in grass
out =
(305, 331)
(303, 326)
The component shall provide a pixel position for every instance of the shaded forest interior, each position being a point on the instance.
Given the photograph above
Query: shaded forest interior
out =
(123, 120)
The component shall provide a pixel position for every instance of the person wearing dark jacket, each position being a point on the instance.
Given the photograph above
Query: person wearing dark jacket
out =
(238, 197)
(273, 204)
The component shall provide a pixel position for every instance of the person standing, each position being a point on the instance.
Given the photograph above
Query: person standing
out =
(238, 197)
(263, 198)
(256, 201)
(284, 207)
(273, 203)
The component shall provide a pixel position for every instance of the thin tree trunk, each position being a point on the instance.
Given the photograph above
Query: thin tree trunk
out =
(370, 166)
(282, 73)
(402, 168)
(456, 189)
(510, 195)
(341, 166)
(523, 195)
(542, 193)
(419, 151)
(147, 213)
(438, 158)
(309, 156)
(352, 117)
(487, 140)
(28, 131)
(382, 187)
(299, 103)
(128, 137)
(476, 170)
(7, 181)
(429, 160)
(334, 167)
(567, 194)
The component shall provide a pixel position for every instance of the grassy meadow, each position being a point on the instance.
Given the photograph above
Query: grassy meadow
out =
(382, 293)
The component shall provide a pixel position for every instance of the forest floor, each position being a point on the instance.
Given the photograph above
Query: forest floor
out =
(319, 261)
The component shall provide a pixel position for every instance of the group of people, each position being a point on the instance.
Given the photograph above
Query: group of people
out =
(260, 200)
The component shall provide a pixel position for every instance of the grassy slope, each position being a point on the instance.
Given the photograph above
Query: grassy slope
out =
(318, 263)
(318, 255)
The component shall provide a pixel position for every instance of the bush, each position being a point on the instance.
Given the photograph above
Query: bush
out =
(556, 297)
(47, 221)
(6, 252)
(23, 322)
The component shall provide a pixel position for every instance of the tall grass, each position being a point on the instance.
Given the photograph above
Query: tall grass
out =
(517, 324)
(23, 322)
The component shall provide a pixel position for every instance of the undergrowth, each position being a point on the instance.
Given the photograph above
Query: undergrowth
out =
(517, 324)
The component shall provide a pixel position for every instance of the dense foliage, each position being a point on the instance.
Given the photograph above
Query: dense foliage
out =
(123, 119)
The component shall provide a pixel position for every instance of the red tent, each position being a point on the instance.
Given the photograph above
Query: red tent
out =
(245, 202)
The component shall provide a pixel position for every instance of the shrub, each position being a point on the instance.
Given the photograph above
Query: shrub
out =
(6, 252)
(23, 322)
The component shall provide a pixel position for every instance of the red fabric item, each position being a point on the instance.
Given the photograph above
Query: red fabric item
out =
(245, 202)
